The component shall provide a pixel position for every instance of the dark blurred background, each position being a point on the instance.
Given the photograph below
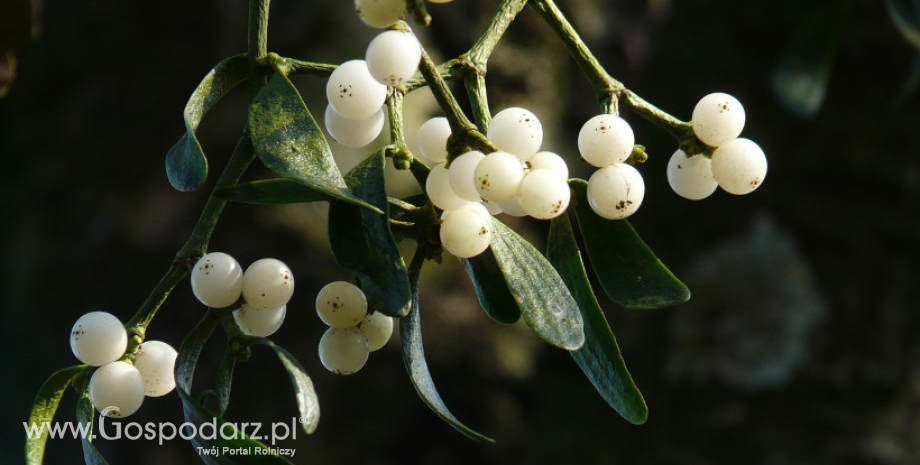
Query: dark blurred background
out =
(798, 347)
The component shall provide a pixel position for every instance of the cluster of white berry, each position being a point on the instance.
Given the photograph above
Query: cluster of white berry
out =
(353, 332)
(517, 180)
(218, 281)
(738, 165)
(357, 89)
(117, 388)
(616, 190)
(382, 14)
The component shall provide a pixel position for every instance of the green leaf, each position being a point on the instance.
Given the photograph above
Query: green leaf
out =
(307, 402)
(600, 357)
(410, 331)
(186, 164)
(289, 142)
(225, 380)
(801, 74)
(628, 271)
(85, 414)
(281, 191)
(906, 23)
(544, 301)
(43, 410)
(362, 242)
(197, 415)
(494, 297)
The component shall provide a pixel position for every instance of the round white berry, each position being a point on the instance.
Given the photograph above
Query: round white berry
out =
(691, 178)
(432, 139)
(117, 389)
(513, 207)
(353, 93)
(343, 351)
(259, 322)
(544, 194)
(717, 119)
(461, 172)
(550, 161)
(268, 283)
(517, 131)
(353, 133)
(605, 140)
(393, 57)
(479, 208)
(98, 338)
(465, 232)
(156, 361)
(217, 280)
(377, 328)
(498, 176)
(380, 14)
(437, 186)
(341, 304)
(739, 166)
(616, 191)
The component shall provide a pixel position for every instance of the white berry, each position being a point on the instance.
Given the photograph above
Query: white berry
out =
(605, 140)
(498, 176)
(393, 57)
(377, 328)
(437, 186)
(156, 361)
(341, 304)
(616, 191)
(268, 283)
(98, 338)
(550, 161)
(259, 322)
(517, 131)
(343, 351)
(217, 280)
(353, 92)
(461, 175)
(465, 232)
(717, 119)
(691, 178)
(380, 14)
(739, 166)
(117, 389)
(544, 194)
(432, 139)
(353, 133)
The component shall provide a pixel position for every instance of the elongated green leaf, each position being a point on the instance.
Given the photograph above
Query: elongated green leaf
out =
(600, 357)
(186, 164)
(628, 271)
(289, 142)
(43, 410)
(544, 301)
(905, 22)
(225, 381)
(216, 433)
(307, 402)
(362, 242)
(281, 191)
(802, 72)
(85, 413)
(410, 331)
(494, 297)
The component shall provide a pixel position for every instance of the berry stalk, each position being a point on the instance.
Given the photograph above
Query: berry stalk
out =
(610, 92)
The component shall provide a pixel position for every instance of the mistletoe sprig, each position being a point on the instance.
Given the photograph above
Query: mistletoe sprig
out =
(483, 165)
